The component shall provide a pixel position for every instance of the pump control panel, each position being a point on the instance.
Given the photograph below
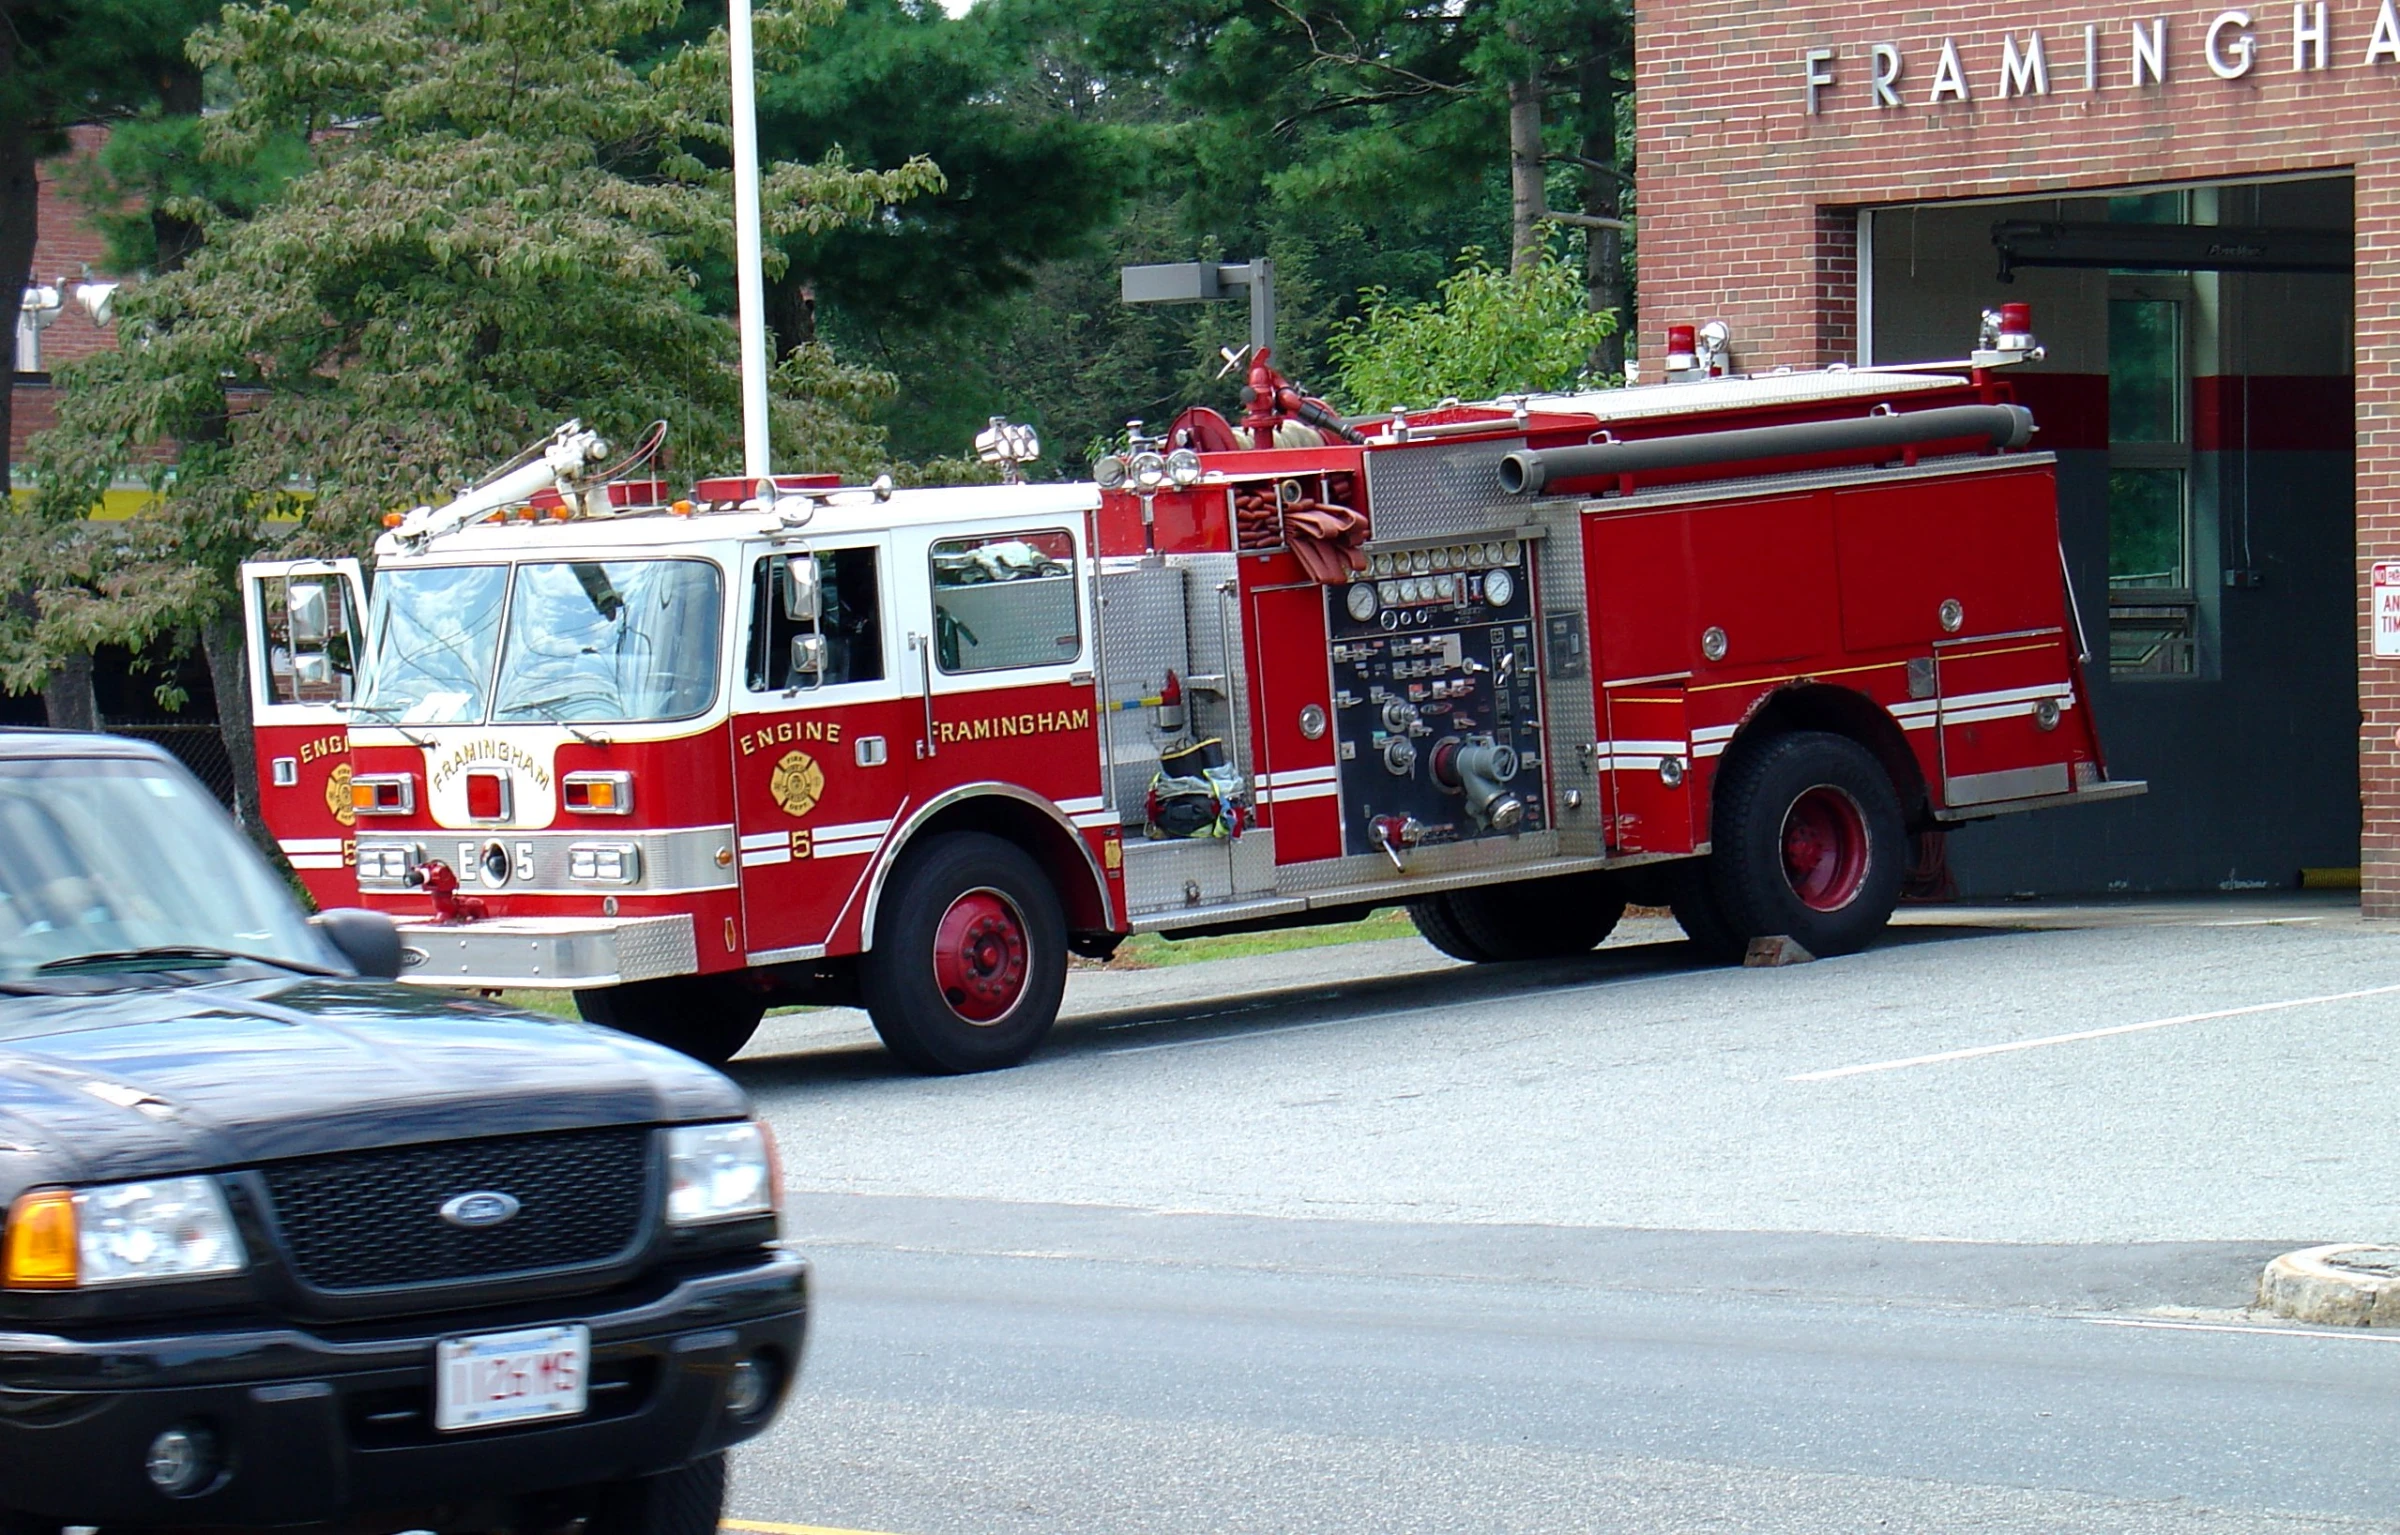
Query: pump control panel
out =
(1437, 697)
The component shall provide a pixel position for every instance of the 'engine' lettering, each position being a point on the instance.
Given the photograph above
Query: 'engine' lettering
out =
(785, 732)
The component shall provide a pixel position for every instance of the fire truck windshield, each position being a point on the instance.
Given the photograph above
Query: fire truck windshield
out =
(615, 641)
(436, 632)
(589, 641)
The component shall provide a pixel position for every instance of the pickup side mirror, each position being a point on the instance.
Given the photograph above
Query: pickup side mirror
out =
(802, 597)
(370, 940)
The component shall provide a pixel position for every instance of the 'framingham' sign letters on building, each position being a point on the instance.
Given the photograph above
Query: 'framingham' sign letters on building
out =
(2095, 57)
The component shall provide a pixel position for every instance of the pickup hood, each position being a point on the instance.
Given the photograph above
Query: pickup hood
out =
(153, 1080)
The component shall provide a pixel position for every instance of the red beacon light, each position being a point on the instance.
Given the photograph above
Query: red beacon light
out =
(1683, 348)
(2007, 336)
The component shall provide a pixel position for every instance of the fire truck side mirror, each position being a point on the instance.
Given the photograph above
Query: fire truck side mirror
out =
(305, 606)
(808, 659)
(801, 594)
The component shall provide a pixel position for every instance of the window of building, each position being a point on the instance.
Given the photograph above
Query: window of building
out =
(849, 619)
(2153, 609)
(1005, 600)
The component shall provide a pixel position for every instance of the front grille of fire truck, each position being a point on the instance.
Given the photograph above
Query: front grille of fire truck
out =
(373, 1219)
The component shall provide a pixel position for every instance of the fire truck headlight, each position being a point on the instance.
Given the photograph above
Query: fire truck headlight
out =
(1108, 471)
(1183, 467)
(1149, 471)
(388, 863)
(604, 863)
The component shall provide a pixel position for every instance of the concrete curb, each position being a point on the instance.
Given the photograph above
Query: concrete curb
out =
(2342, 1284)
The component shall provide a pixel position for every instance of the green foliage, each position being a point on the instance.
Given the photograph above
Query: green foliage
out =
(78, 61)
(1489, 333)
(156, 165)
(502, 227)
(1359, 143)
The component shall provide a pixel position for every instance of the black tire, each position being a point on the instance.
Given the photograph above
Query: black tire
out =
(1438, 925)
(689, 1500)
(1809, 843)
(1531, 919)
(1692, 896)
(707, 1017)
(1006, 956)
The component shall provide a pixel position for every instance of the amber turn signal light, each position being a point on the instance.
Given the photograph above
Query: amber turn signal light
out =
(41, 1242)
(598, 793)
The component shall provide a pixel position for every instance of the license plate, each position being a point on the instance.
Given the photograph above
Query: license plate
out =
(510, 1377)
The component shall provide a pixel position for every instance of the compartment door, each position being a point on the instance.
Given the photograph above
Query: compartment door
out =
(2003, 700)
(307, 639)
(1645, 763)
(1299, 777)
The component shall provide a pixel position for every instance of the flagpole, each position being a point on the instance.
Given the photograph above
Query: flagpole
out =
(750, 283)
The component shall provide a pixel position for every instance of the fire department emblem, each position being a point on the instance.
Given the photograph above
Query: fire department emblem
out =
(798, 783)
(337, 794)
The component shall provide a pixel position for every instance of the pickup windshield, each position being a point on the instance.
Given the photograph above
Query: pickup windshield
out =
(593, 641)
(119, 859)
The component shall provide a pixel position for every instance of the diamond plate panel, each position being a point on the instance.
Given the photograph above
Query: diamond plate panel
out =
(1557, 561)
(539, 952)
(1144, 633)
(1432, 490)
(1174, 876)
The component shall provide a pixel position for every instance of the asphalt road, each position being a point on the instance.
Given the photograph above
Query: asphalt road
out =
(1953, 1234)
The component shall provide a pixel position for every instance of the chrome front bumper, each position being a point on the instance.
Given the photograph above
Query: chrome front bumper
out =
(547, 952)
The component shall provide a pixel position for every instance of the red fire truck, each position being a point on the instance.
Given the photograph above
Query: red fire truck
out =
(1726, 644)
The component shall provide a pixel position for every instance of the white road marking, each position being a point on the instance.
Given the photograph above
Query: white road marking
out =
(2344, 1335)
(1977, 1051)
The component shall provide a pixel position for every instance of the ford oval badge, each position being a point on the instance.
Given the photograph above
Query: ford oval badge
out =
(482, 1208)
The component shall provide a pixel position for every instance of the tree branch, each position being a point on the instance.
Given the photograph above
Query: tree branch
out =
(1595, 167)
(1586, 220)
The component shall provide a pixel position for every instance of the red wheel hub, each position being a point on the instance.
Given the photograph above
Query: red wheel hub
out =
(979, 956)
(1825, 848)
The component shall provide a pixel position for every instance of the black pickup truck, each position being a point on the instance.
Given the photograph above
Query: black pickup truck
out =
(288, 1244)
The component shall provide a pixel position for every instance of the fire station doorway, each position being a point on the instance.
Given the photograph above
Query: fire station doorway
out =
(2197, 392)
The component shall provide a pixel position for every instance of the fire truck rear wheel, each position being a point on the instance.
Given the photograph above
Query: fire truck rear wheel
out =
(1532, 919)
(707, 1017)
(970, 956)
(1810, 843)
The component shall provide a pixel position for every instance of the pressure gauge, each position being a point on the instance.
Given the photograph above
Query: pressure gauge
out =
(1443, 586)
(1389, 592)
(1362, 601)
(1508, 551)
(1491, 554)
(1383, 565)
(1441, 559)
(1421, 561)
(1498, 587)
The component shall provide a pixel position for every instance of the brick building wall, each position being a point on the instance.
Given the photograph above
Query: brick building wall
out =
(1750, 198)
(66, 247)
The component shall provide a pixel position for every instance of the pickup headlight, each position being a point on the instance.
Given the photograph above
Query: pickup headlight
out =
(720, 1172)
(120, 1233)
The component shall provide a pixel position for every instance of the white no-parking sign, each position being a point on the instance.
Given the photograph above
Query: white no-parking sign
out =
(2386, 591)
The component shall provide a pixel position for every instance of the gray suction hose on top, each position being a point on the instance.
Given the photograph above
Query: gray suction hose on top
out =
(1528, 471)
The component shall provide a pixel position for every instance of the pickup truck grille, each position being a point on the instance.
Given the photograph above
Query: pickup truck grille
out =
(371, 1219)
